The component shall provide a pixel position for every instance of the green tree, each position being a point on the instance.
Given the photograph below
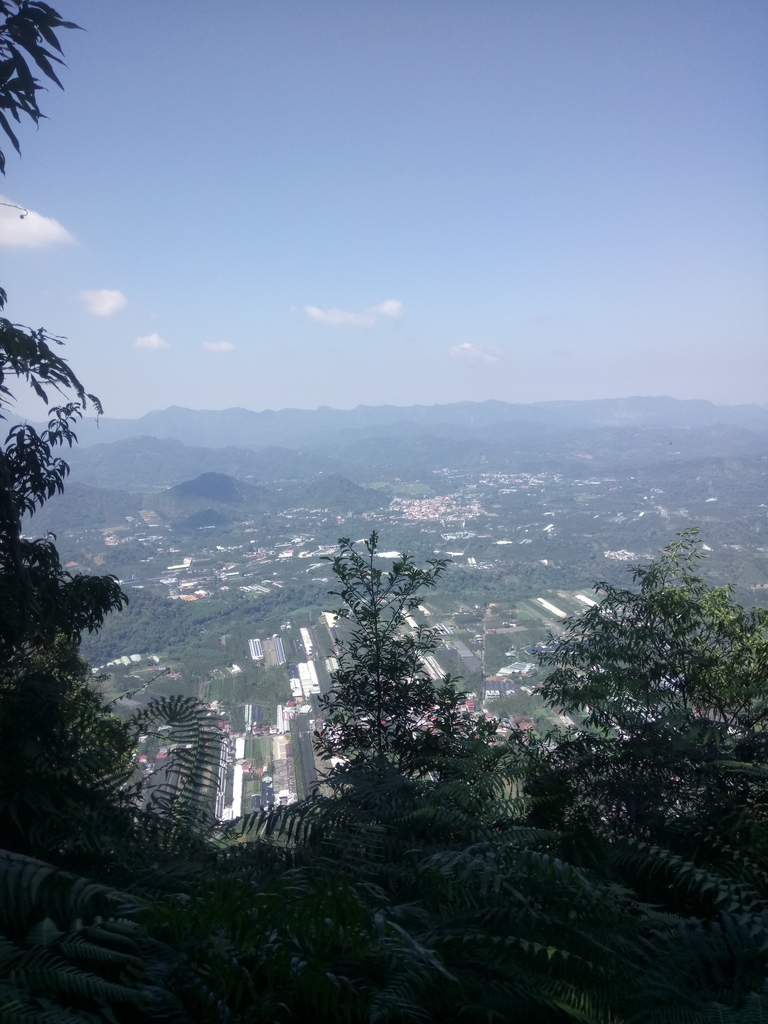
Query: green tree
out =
(670, 681)
(662, 788)
(40, 600)
(27, 27)
(58, 742)
(384, 706)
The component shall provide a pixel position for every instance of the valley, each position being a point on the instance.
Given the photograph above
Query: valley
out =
(240, 550)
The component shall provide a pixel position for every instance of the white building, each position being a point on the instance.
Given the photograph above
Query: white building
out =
(306, 639)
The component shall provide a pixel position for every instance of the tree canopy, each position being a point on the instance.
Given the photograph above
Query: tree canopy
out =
(27, 33)
(385, 707)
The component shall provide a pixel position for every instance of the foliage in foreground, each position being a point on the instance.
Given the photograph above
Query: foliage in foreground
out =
(384, 707)
(462, 886)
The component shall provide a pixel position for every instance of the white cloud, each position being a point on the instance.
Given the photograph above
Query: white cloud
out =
(389, 307)
(153, 341)
(475, 353)
(104, 302)
(392, 308)
(218, 346)
(19, 230)
(339, 317)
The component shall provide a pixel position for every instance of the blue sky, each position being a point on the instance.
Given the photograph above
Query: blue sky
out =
(315, 202)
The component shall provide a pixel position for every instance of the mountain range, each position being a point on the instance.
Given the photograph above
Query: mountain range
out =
(327, 457)
(210, 499)
(243, 428)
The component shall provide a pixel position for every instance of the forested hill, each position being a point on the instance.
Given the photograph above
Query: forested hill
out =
(210, 499)
(245, 428)
(216, 487)
(146, 463)
(386, 453)
(220, 490)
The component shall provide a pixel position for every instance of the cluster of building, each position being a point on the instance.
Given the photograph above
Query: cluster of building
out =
(522, 480)
(270, 651)
(443, 508)
(281, 787)
(129, 659)
(276, 789)
(303, 680)
(621, 556)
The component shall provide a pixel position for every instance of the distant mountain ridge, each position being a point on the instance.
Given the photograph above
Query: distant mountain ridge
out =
(243, 428)
(404, 451)
(212, 487)
(221, 491)
(149, 463)
(210, 499)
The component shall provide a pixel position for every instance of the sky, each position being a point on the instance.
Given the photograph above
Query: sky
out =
(342, 202)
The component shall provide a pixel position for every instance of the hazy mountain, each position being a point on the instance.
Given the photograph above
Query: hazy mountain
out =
(149, 463)
(336, 492)
(213, 498)
(300, 427)
(84, 507)
(216, 487)
(372, 459)
(210, 493)
(205, 518)
(410, 452)
(212, 490)
(209, 499)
